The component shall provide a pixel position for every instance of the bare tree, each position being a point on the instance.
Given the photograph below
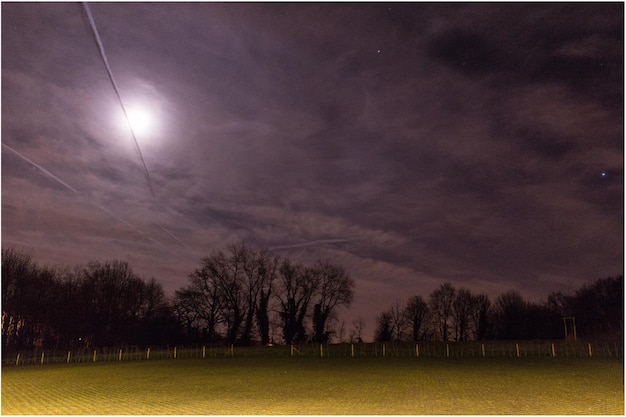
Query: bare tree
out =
(417, 316)
(358, 325)
(198, 307)
(384, 327)
(267, 266)
(335, 289)
(398, 321)
(18, 274)
(509, 314)
(218, 289)
(296, 286)
(113, 292)
(462, 309)
(441, 306)
(482, 306)
(255, 280)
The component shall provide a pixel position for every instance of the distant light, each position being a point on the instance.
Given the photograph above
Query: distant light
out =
(603, 174)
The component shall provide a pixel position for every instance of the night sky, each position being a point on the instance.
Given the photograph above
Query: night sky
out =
(413, 144)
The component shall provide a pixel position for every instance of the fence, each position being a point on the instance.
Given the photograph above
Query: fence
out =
(490, 349)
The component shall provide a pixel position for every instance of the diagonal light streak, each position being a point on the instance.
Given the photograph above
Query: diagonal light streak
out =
(75, 191)
(94, 29)
(174, 236)
(42, 169)
(312, 243)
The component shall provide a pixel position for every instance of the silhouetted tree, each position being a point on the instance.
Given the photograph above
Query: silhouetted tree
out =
(258, 273)
(543, 322)
(20, 299)
(417, 316)
(358, 325)
(441, 307)
(599, 308)
(157, 325)
(101, 304)
(384, 327)
(482, 306)
(113, 294)
(69, 315)
(262, 315)
(296, 286)
(198, 305)
(269, 270)
(335, 288)
(106, 303)
(510, 316)
(462, 310)
(398, 321)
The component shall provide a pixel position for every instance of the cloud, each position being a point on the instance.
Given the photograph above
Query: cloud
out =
(469, 149)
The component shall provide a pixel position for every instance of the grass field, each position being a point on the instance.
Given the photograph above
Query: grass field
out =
(282, 385)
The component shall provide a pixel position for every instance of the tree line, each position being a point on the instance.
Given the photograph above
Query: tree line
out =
(234, 297)
(245, 295)
(595, 310)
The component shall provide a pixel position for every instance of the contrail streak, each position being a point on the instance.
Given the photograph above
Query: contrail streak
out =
(42, 169)
(132, 132)
(117, 93)
(97, 205)
(175, 237)
(312, 243)
(110, 213)
(96, 35)
(74, 190)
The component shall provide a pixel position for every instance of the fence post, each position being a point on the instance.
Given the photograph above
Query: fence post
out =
(517, 349)
(42, 356)
(352, 349)
(589, 346)
(119, 358)
(321, 350)
(553, 352)
(69, 352)
(94, 355)
(174, 352)
(447, 350)
(417, 350)
(384, 350)
(17, 360)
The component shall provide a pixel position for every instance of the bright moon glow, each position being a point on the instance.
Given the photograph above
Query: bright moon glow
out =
(143, 117)
(141, 121)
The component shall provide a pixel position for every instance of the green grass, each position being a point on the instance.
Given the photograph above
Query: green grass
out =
(265, 385)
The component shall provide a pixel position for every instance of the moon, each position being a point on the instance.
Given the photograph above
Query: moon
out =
(142, 116)
(141, 120)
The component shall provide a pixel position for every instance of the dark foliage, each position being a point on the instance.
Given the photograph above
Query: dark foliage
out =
(596, 310)
(102, 304)
(241, 296)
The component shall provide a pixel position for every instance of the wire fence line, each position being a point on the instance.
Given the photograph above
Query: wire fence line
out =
(487, 349)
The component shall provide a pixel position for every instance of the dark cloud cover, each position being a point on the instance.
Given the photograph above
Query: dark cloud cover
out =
(414, 144)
